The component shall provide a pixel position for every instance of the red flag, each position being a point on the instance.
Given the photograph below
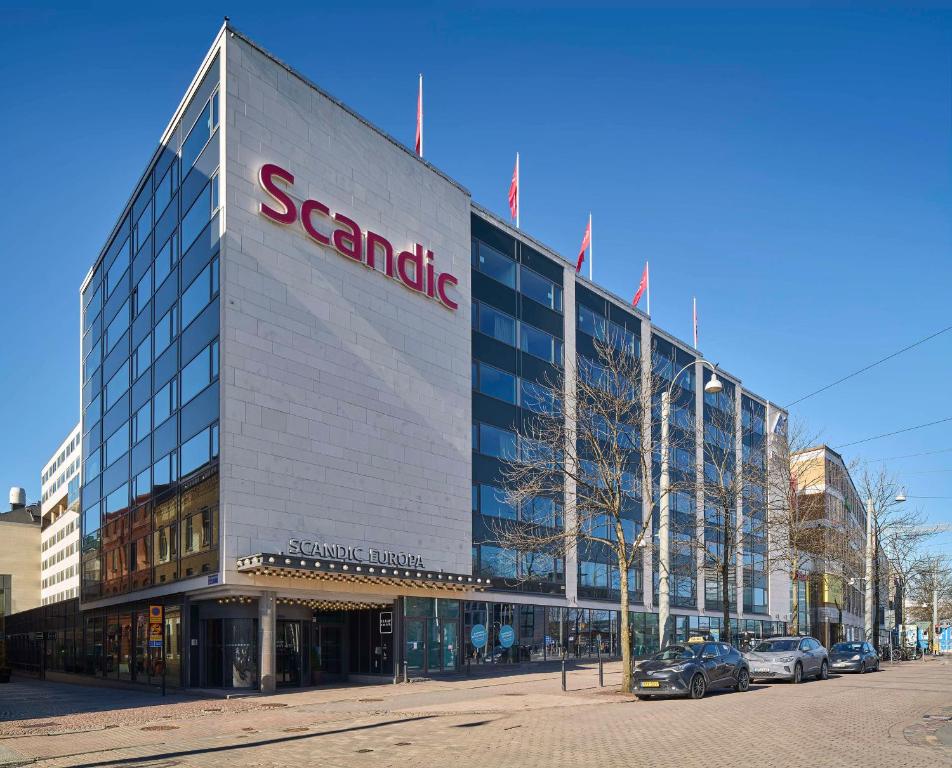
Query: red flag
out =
(642, 286)
(586, 241)
(419, 120)
(514, 192)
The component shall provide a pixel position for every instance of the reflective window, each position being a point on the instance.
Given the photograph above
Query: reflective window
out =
(199, 373)
(165, 330)
(166, 189)
(200, 133)
(117, 385)
(165, 260)
(118, 500)
(494, 382)
(539, 288)
(117, 444)
(493, 441)
(200, 213)
(540, 344)
(199, 293)
(492, 501)
(118, 268)
(493, 263)
(142, 422)
(118, 326)
(143, 292)
(165, 402)
(494, 322)
(196, 452)
(142, 357)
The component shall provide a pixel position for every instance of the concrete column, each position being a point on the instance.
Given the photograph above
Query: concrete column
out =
(267, 623)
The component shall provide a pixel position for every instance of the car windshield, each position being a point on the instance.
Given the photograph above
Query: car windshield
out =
(847, 647)
(775, 646)
(675, 653)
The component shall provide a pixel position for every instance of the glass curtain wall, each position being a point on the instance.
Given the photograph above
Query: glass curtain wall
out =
(150, 400)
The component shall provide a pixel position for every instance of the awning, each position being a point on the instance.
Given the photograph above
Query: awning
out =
(266, 564)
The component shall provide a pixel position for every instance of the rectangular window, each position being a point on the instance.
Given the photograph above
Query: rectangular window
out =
(142, 422)
(143, 227)
(196, 452)
(199, 373)
(117, 444)
(199, 293)
(118, 268)
(142, 357)
(494, 264)
(495, 323)
(117, 385)
(200, 213)
(166, 189)
(495, 383)
(493, 502)
(118, 500)
(540, 289)
(165, 402)
(540, 344)
(142, 292)
(118, 326)
(497, 442)
(165, 259)
(201, 132)
(538, 398)
(165, 330)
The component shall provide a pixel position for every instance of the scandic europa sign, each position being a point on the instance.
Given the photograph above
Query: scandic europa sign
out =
(414, 269)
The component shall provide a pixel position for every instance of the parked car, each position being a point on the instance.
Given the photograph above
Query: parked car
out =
(856, 656)
(691, 669)
(788, 658)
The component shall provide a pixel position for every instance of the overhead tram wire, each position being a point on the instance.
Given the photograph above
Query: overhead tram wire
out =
(908, 456)
(896, 432)
(871, 365)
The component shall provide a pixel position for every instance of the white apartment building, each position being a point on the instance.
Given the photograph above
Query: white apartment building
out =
(59, 539)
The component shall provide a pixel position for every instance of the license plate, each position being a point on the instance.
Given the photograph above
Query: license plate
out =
(650, 684)
(762, 671)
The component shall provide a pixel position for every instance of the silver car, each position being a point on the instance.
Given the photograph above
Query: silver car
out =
(788, 658)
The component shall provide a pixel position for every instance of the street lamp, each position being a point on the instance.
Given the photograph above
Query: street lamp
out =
(872, 582)
(713, 387)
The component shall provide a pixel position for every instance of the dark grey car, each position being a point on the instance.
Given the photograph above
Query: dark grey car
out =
(855, 656)
(691, 669)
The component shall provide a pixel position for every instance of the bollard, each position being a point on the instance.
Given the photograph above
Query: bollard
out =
(468, 671)
(601, 673)
(406, 677)
(563, 672)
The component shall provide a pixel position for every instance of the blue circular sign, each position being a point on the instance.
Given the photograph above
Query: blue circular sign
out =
(478, 636)
(507, 636)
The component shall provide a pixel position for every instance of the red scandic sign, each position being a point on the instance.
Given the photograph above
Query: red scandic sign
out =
(414, 269)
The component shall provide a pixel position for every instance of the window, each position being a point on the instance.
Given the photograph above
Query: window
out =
(166, 188)
(494, 382)
(164, 470)
(493, 502)
(540, 344)
(117, 444)
(165, 330)
(200, 213)
(118, 268)
(117, 327)
(143, 292)
(201, 132)
(142, 357)
(142, 422)
(590, 322)
(494, 264)
(538, 398)
(165, 402)
(199, 373)
(494, 323)
(540, 289)
(200, 292)
(117, 385)
(143, 227)
(496, 561)
(493, 441)
(118, 500)
(196, 452)
(165, 259)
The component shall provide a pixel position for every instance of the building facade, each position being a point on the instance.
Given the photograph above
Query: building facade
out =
(306, 356)
(60, 533)
(832, 586)
(19, 555)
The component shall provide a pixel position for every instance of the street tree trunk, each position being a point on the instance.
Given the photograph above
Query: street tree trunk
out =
(626, 660)
(726, 600)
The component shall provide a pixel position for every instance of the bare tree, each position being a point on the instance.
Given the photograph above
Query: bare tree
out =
(897, 530)
(597, 451)
(930, 579)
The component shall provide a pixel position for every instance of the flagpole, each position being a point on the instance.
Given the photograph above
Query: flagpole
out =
(421, 114)
(694, 299)
(648, 274)
(591, 249)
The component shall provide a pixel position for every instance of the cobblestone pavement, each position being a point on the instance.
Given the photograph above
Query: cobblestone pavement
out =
(899, 717)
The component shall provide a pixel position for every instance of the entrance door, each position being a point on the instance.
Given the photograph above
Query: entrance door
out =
(287, 647)
(432, 645)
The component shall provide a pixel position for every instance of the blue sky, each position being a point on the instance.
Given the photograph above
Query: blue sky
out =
(790, 168)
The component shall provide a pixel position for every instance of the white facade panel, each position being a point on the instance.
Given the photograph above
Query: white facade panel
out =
(346, 396)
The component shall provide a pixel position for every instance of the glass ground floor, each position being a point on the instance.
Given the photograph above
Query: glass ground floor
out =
(274, 641)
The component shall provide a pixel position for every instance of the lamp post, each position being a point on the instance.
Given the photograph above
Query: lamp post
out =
(872, 582)
(713, 387)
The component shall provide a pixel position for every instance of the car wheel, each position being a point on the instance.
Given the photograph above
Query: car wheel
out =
(743, 681)
(640, 697)
(824, 671)
(797, 673)
(698, 687)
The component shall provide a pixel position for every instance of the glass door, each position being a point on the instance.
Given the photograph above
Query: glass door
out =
(416, 645)
(450, 646)
(288, 653)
